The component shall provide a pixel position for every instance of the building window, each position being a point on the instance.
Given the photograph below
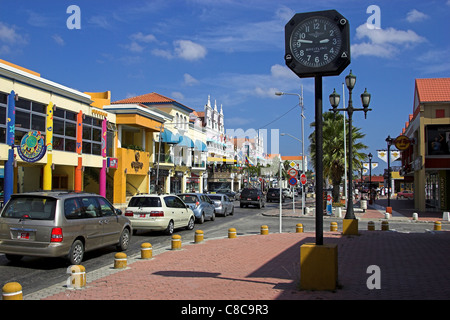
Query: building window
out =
(440, 113)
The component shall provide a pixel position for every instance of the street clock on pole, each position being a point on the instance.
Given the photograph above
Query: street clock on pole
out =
(317, 43)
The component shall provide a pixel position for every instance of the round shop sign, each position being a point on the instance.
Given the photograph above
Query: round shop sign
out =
(32, 147)
(402, 142)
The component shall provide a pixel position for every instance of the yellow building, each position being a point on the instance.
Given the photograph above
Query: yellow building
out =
(73, 131)
(426, 162)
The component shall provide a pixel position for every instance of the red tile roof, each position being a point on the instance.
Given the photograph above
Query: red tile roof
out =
(433, 90)
(150, 98)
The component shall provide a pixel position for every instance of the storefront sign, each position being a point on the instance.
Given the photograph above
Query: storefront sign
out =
(32, 147)
(113, 163)
(402, 142)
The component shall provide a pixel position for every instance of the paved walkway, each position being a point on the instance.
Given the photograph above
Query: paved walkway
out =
(254, 267)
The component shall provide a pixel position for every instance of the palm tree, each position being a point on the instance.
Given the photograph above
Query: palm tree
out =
(333, 149)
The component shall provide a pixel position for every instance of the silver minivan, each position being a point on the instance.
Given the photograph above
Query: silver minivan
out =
(60, 224)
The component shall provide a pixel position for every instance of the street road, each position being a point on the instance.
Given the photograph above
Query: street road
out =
(39, 273)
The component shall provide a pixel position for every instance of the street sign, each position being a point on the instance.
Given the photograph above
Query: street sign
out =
(303, 179)
(292, 172)
(292, 164)
(292, 181)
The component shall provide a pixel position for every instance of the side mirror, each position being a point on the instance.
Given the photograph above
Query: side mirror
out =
(118, 212)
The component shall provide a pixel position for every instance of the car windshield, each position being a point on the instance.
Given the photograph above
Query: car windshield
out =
(188, 198)
(213, 197)
(145, 202)
(30, 207)
(274, 190)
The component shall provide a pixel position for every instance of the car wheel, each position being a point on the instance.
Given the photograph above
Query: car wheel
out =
(170, 227)
(232, 211)
(76, 253)
(241, 205)
(124, 240)
(213, 217)
(259, 205)
(201, 220)
(191, 224)
(225, 212)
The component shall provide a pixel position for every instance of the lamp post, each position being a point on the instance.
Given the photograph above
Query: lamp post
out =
(300, 99)
(350, 81)
(390, 141)
(370, 178)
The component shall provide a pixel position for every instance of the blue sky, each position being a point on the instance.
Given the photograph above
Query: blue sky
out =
(232, 50)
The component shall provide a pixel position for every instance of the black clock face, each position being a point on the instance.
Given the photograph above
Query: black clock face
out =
(316, 42)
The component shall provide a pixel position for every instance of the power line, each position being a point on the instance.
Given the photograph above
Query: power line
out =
(276, 119)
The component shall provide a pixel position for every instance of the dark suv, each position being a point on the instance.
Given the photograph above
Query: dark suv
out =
(252, 196)
(273, 194)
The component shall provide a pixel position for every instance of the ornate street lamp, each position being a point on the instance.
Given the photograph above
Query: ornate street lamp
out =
(350, 81)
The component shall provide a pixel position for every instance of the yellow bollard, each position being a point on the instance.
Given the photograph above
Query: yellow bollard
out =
(146, 251)
(231, 233)
(299, 228)
(371, 226)
(12, 291)
(198, 236)
(264, 230)
(333, 226)
(77, 278)
(437, 226)
(176, 242)
(120, 260)
(385, 226)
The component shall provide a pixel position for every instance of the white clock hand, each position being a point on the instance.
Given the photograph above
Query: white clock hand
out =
(305, 41)
(324, 41)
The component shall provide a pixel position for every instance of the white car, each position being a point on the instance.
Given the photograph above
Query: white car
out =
(159, 213)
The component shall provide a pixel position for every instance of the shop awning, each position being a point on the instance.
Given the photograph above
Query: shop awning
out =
(200, 146)
(185, 142)
(169, 137)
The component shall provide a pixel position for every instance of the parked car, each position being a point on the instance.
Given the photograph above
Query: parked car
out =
(228, 192)
(222, 203)
(202, 206)
(405, 194)
(273, 194)
(287, 192)
(58, 224)
(252, 196)
(159, 213)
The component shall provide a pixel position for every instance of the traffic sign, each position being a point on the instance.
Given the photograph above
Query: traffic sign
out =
(293, 181)
(292, 172)
(292, 164)
(303, 179)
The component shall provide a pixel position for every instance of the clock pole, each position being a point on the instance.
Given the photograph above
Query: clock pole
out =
(319, 160)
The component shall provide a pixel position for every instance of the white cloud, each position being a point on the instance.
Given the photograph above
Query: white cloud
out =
(384, 43)
(9, 35)
(100, 21)
(10, 40)
(189, 50)
(140, 37)
(415, 16)
(177, 96)
(58, 39)
(184, 49)
(189, 80)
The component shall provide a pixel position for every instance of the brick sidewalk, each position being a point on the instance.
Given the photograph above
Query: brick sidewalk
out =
(253, 267)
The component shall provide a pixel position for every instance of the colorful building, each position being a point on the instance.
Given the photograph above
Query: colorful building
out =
(72, 136)
(178, 160)
(426, 162)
